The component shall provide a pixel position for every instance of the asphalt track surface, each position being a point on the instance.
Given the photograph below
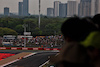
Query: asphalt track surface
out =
(32, 61)
(18, 51)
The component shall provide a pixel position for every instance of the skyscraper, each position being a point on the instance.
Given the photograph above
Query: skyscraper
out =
(97, 6)
(62, 10)
(6, 11)
(78, 1)
(20, 8)
(85, 8)
(72, 8)
(25, 8)
(50, 12)
(56, 8)
(93, 7)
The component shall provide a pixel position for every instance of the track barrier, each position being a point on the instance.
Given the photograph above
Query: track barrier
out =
(27, 48)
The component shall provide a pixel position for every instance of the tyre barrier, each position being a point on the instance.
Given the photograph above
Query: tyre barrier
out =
(27, 48)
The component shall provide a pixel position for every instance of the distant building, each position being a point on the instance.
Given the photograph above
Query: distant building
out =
(72, 8)
(79, 9)
(25, 7)
(85, 8)
(50, 12)
(56, 8)
(78, 1)
(97, 6)
(6, 11)
(93, 7)
(62, 10)
(20, 8)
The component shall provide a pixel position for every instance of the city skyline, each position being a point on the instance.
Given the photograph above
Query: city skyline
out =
(13, 6)
(80, 8)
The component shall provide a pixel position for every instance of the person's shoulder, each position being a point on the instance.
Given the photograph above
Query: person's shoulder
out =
(73, 52)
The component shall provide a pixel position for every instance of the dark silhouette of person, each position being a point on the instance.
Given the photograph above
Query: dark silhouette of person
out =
(96, 20)
(72, 53)
(92, 43)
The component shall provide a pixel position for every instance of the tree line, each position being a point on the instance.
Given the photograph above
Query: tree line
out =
(14, 26)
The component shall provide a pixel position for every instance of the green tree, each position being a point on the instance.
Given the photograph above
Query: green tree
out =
(37, 31)
(7, 31)
(48, 26)
(19, 29)
(1, 31)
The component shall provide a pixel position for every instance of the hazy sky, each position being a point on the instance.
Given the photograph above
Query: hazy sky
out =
(33, 5)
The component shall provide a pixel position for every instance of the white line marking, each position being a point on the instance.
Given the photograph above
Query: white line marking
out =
(44, 63)
(55, 51)
(16, 60)
(49, 60)
(29, 55)
(9, 63)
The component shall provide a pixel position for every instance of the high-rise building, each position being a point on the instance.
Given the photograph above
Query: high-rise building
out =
(85, 8)
(72, 8)
(78, 1)
(56, 8)
(97, 6)
(93, 7)
(25, 8)
(50, 12)
(62, 10)
(20, 8)
(6, 11)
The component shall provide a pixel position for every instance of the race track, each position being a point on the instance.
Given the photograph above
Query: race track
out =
(34, 60)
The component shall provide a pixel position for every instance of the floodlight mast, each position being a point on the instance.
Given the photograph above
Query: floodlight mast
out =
(39, 12)
(24, 36)
(24, 26)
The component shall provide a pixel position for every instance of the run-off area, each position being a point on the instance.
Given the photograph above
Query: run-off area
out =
(5, 55)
